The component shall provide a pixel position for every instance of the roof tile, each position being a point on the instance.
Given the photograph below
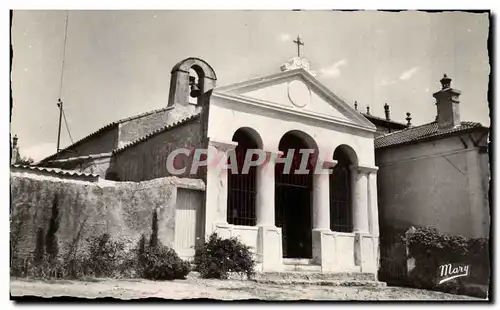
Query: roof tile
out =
(71, 173)
(158, 131)
(418, 133)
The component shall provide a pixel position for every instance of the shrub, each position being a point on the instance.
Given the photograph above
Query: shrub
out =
(153, 241)
(430, 249)
(218, 257)
(140, 251)
(162, 263)
(51, 246)
(105, 255)
(156, 261)
(39, 254)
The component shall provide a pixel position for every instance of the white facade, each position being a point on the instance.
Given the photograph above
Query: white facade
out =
(270, 107)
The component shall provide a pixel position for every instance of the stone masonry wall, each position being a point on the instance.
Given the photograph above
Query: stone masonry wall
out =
(123, 209)
(147, 160)
(104, 142)
(137, 128)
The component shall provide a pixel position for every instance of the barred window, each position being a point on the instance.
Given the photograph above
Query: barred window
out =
(242, 193)
(340, 194)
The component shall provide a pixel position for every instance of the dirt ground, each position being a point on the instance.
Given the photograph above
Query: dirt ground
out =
(215, 289)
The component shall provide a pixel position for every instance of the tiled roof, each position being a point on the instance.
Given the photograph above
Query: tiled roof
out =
(385, 121)
(423, 132)
(71, 173)
(158, 131)
(104, 128)
(80, 158)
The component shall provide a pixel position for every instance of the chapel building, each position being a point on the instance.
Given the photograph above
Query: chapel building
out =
(328, 222)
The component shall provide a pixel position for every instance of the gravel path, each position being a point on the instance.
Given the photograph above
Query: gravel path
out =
(215, 289)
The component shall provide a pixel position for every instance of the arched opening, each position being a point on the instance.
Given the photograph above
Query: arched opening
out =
(341, 191)
(293, 196)
(193, 80)
(242, 186)
(196, 84)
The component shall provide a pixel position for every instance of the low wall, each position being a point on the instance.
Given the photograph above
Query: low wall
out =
(91, 208)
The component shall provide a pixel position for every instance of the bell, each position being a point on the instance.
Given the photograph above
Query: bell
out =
(195, 90)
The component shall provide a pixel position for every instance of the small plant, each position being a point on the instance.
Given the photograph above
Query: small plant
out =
(156, 261)
(105, 255)
(162, 263)
(218, 257)
(51, 245)
(39, 252)
(153, 241)
(140, 251)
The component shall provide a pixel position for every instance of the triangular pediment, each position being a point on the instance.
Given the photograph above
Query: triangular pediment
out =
(297, 91)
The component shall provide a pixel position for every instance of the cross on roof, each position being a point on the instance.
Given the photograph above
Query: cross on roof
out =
(299, 42)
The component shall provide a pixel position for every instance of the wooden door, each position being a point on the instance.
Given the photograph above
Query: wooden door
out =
(188, 221)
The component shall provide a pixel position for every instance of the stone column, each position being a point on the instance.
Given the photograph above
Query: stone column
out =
(321, 197)
(321, 209)
(265, 191)
(216, 188)
(359, 190)
(373, 203)
(269, 242)
(364, 204)
(373, 217)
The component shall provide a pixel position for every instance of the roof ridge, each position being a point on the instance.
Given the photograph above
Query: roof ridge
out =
(404, 129)
(424, 132)
(383, 119)
(143, 114)
(55, 170)
(158, 131)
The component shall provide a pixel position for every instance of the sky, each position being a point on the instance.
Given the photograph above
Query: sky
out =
(117, 63)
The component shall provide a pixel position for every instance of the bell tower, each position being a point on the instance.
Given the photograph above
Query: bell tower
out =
(191, 83)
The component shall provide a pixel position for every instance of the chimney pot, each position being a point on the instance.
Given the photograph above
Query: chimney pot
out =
(387, 112)
(408, 119)
(368, 110)
(448, 113)
(14, 156)
(445, 82)
(356, 105)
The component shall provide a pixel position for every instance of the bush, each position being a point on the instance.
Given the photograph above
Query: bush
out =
(39, 254)
(51, 244)
(153, 241)
(105, 255)
(430, 249)
(218, 257)
(162, 263)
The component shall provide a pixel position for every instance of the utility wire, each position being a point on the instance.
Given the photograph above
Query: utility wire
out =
(64, 54)
(67, 127)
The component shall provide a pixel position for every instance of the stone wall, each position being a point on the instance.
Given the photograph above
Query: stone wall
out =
(122, 209)
(103, 142)
(136, 128)
(147, 160)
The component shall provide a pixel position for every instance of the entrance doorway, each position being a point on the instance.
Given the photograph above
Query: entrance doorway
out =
(189, 228)
(293, 199)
